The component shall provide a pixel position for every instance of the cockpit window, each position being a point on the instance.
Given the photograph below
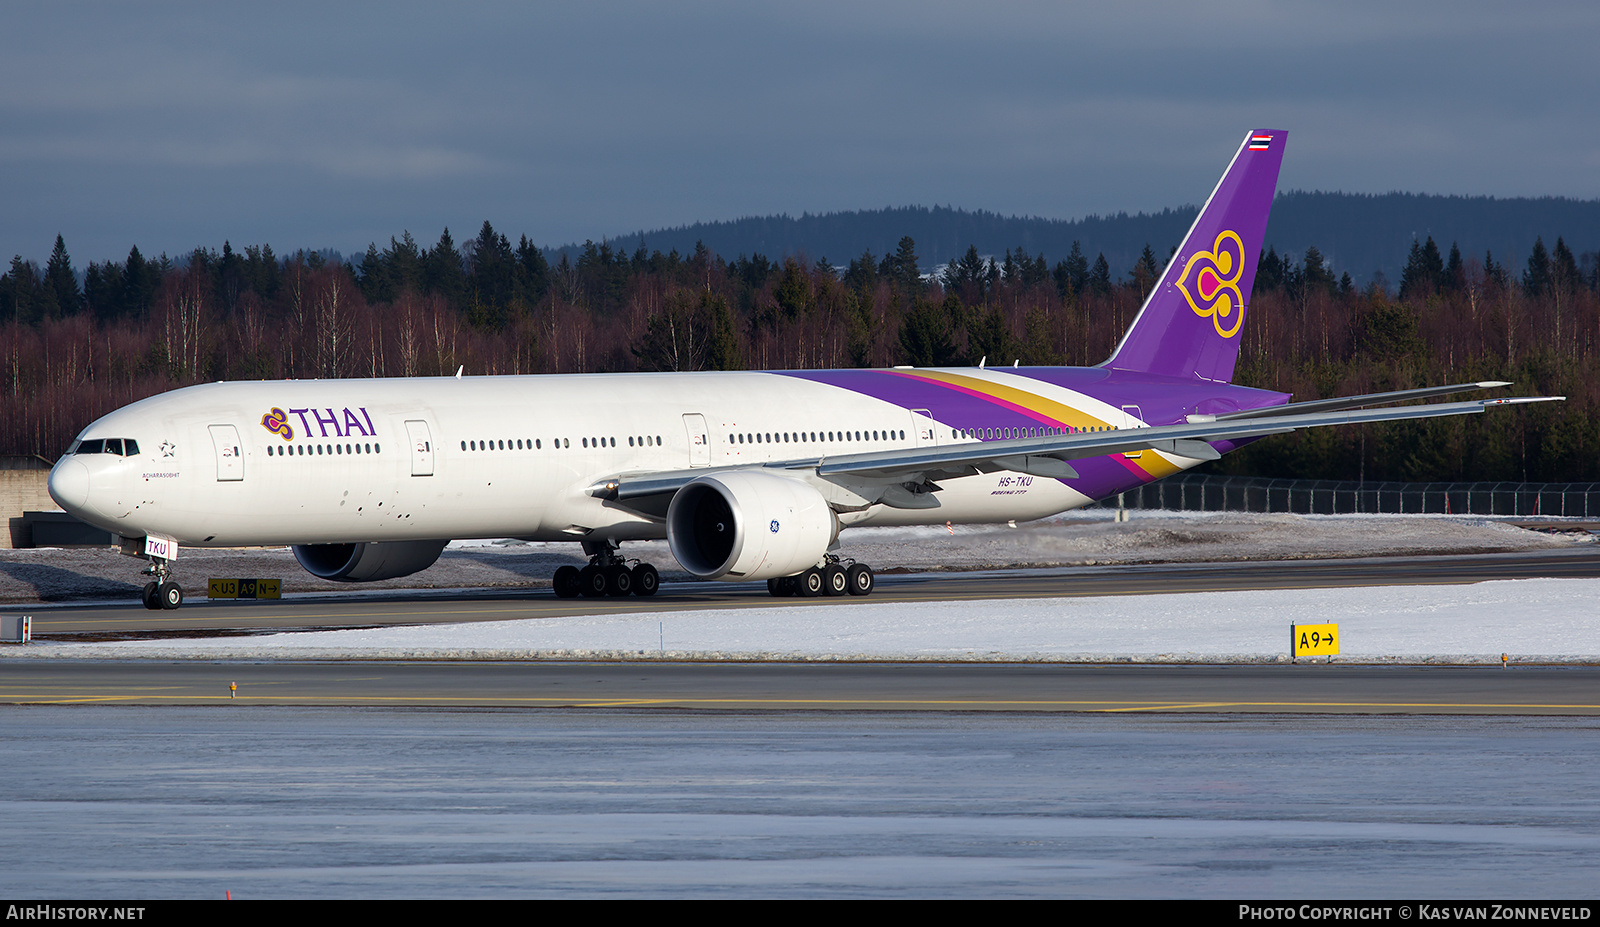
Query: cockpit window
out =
(122, 447)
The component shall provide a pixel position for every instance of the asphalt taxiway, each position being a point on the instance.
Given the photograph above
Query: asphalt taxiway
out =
(1296, 689)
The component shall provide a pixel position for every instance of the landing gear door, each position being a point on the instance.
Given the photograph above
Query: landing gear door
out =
(421, 448)
(922, 425)
(699, 440)
(230, 454)
(1132, 418)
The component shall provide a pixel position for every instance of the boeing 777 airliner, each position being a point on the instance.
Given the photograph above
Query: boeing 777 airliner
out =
(747, 475)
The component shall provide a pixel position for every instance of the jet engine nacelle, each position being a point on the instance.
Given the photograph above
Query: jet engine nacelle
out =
(745, 524)
(363, 563)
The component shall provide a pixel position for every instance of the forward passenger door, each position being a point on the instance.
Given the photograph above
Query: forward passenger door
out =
(230, 459)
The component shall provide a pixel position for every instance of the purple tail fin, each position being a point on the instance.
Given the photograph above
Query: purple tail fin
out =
(1190, 325)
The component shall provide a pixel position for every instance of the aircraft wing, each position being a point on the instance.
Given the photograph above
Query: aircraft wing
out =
(1050, 456)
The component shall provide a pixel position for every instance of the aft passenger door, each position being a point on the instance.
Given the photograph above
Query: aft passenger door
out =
(1132, 417)
(923, 427)
(421, 448)
(230, 459)
(699, 439)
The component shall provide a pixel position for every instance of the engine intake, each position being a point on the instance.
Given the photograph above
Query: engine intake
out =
(369, 561)
(746, 525)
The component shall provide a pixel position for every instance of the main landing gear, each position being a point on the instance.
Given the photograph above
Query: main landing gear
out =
(833, 578)
(606, 574)
(162, 592)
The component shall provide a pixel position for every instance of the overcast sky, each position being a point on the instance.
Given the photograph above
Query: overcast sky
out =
(332, 125)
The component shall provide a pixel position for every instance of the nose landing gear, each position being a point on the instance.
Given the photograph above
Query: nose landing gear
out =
(162, 592)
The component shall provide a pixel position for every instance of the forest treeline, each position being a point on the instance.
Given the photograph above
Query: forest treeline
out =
(143, 325)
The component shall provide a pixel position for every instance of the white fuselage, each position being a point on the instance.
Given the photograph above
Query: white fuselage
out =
(408, 459)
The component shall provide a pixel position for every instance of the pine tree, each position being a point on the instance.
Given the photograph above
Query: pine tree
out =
(1145, 272)
(442, 273)
(1494, 274)
(490, 283)
(1433, 264)
(262, 271)
(229, 274)
(1315, 275)
(793, 294)
(373, 276)
(1100, 276)
(23, 292)
(1564, 273)
(1455, 273)
(62, 282)
(902, 268)
(967, 276)
(1423, 269)
(862, 274)
(403, 264)
(533, 272)
(1072, 275)
(140, 279)
(989, 335)
(1269, 273)
(1038, 340)
(722, 337)
(926, 336)
(1536, 279)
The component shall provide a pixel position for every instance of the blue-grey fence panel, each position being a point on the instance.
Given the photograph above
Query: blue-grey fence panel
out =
(1194, 492)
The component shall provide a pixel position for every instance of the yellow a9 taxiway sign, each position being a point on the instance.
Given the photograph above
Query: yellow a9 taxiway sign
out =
(1314, 640)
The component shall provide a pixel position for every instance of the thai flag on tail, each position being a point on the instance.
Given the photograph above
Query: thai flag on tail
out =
(1260, 142)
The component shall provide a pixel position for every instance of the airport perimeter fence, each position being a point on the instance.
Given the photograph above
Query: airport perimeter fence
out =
(1197, 492)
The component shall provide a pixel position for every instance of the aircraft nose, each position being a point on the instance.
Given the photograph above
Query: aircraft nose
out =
(69, 485)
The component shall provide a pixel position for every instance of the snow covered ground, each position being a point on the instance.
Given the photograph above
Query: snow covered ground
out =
(1537, 620)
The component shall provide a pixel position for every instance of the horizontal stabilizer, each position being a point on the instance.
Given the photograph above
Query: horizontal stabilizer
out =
(1357, 402)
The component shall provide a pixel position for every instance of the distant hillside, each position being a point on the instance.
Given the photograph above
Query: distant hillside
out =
(1359, 233)
(1366, 233)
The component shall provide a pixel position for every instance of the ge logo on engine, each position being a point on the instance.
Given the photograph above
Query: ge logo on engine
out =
(773, 527)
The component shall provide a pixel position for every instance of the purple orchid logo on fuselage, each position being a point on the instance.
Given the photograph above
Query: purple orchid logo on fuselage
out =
(1210, 283)
(277, 423)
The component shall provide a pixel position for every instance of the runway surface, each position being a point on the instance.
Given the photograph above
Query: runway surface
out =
(359, 609)
(118, 802)
(1299, 690)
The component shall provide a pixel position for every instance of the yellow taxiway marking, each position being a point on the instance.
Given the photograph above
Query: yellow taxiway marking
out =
(580, 701)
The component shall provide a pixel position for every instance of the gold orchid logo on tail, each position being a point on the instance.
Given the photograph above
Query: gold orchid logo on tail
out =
(277, 423)
(1213, 277)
